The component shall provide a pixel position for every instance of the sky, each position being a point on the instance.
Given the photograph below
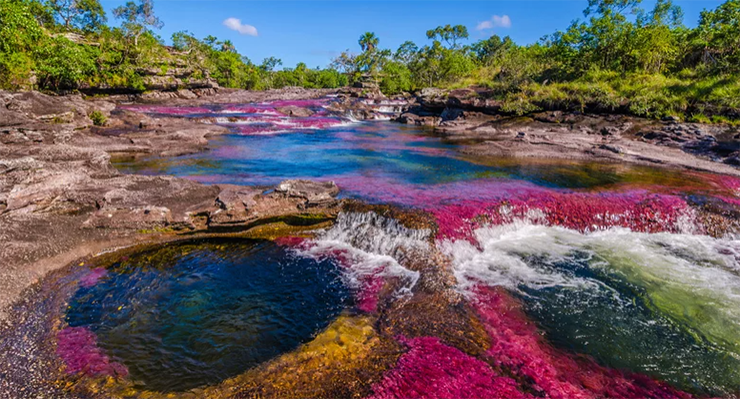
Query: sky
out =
(314, 32)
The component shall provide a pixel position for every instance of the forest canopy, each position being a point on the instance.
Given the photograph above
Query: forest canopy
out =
(617, 55)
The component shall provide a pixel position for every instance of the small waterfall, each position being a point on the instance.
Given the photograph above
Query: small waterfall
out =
(373, 246)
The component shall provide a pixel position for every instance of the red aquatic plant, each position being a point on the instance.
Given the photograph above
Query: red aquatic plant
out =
(78, 347)
(638, 211)
(517, 346)
(91, 278)
(431, 369)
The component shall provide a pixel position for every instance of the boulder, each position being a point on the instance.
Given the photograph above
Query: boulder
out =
(292, 110)
(314, 193)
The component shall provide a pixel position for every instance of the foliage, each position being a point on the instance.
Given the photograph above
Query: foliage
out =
(62, 63)
(137, 18)
(98, 118)
(618, 58)
(82, 15)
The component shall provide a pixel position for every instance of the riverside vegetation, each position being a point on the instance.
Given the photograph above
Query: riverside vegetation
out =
(619, 58)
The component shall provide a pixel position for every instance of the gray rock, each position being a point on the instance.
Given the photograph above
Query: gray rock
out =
(314, 193)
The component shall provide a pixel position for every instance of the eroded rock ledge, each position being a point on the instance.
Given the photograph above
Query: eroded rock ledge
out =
(473, 117)
(60, 198)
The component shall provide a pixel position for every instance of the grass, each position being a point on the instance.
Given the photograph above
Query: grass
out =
(687, 95)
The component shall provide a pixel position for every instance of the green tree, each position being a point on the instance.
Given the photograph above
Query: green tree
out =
(269, 64)
(20, 33)
(406, 52)
(137, 18)
(83, 15)
(718, 36)
(449, 34)
(368, 41)
(63, 64)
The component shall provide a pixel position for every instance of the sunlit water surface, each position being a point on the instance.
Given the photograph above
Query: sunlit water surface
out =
(663, 304)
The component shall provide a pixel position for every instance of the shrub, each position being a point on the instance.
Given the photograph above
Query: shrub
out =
(98, 118)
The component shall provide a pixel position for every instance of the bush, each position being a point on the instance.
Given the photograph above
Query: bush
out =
(98, 118)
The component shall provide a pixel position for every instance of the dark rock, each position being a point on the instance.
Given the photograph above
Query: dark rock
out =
(671, 118)
(733, 159)
(613, 148)
(610, 131)
(293, 110)
(451, 114)
(549, 117)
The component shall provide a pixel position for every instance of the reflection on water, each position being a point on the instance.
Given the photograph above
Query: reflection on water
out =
(384, 152)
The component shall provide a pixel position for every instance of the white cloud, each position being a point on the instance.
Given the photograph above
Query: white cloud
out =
(236, 24)
(496, 21)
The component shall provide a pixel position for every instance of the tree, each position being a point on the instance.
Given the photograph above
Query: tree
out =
(486, 51)
(719, 35)
(137, 17)
(368, 41)
(655, 38)
(406, 52)
(346, 62)
(228, 46)
(20, 33)
(449, 34)
(84, 15)
(64, 64)
(269, 64)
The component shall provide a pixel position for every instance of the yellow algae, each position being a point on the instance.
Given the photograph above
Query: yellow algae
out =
(343, 361)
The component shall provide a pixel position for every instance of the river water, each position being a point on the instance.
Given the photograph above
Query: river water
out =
(591, 279)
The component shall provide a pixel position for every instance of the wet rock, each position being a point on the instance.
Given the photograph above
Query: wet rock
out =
(295, 111)
(452, 113)
(314, 193)
(733, 159)
(417, 120)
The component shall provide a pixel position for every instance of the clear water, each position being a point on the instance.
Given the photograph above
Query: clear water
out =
(193, 314)
(609, 260)
(358, 154)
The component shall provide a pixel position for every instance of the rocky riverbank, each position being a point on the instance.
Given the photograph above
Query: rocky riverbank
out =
(470, 116)
(60, 198)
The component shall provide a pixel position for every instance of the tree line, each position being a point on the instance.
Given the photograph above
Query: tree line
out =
(67, 44)
(618, 56)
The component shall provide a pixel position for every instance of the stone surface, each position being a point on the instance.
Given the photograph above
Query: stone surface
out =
(313, 193)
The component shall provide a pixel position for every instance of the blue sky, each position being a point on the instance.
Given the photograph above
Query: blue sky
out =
(316, 31)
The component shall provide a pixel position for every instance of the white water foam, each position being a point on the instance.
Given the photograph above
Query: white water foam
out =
(373, 243)
(694, 278)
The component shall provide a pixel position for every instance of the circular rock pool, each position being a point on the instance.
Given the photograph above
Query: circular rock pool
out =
(191, 314)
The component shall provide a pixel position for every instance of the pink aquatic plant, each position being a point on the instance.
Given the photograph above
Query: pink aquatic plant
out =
(91, 278)
(431, 369)
(517, 346)
(78, 347)
(638, 211)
